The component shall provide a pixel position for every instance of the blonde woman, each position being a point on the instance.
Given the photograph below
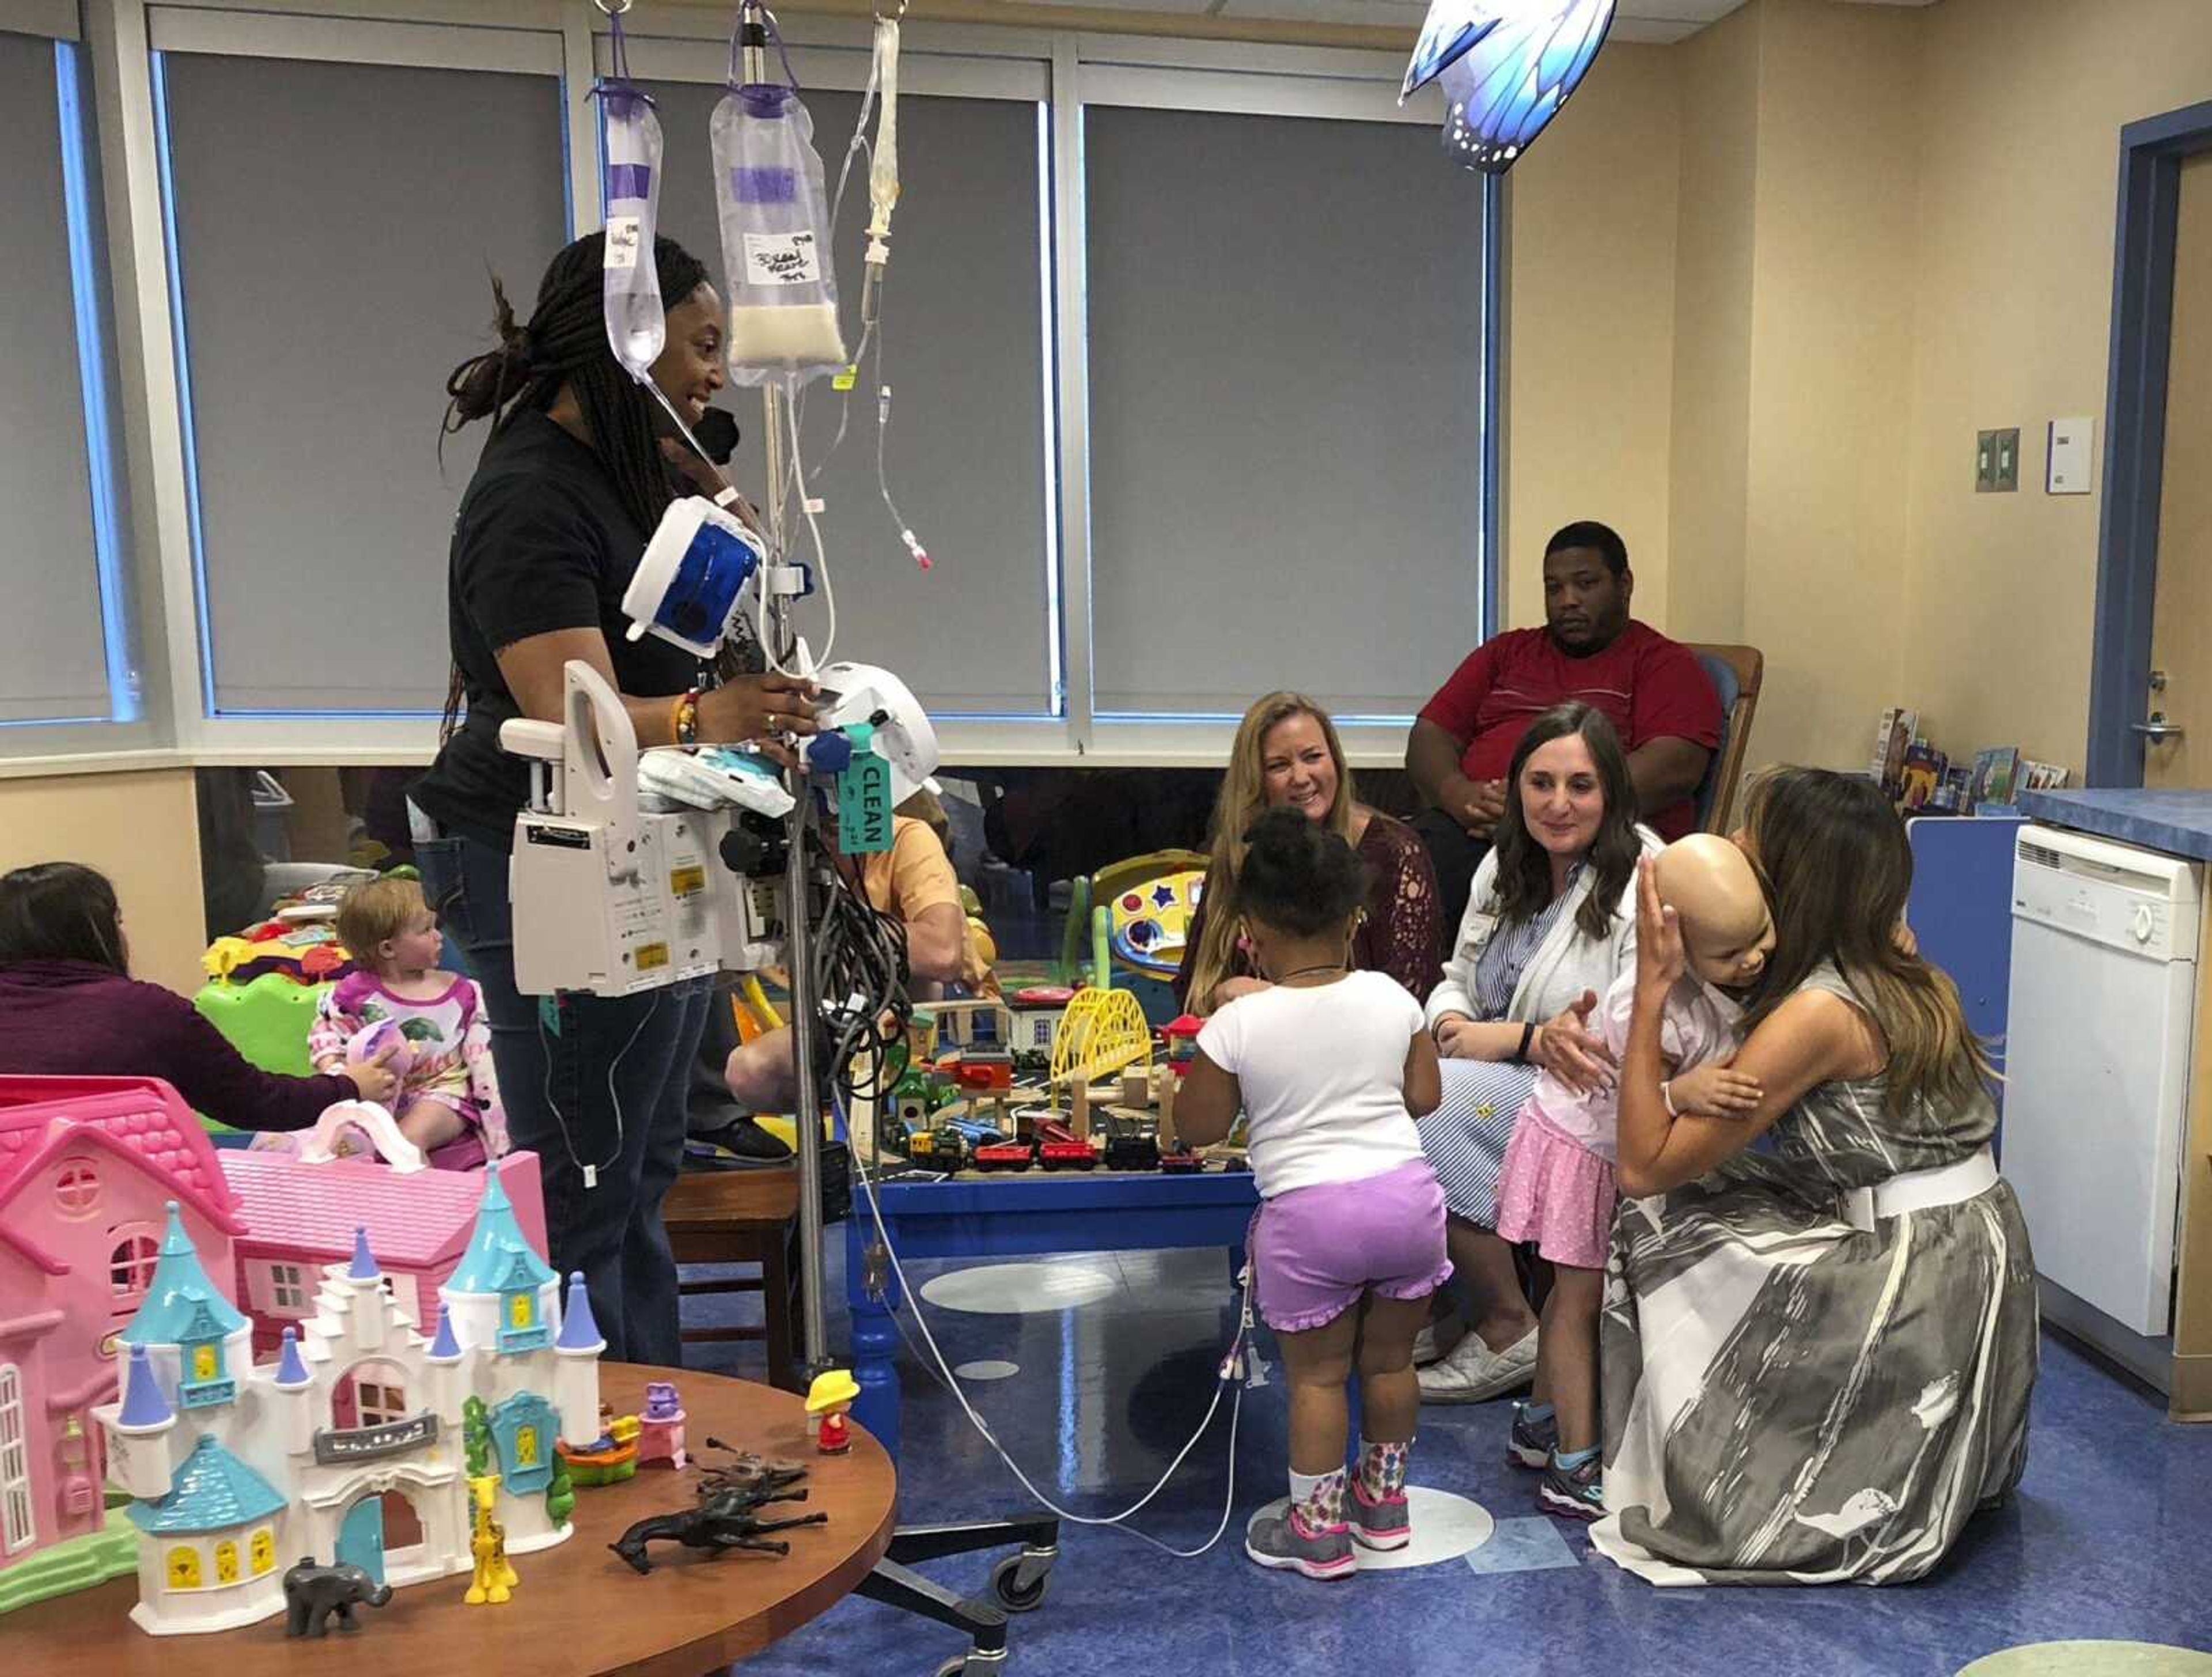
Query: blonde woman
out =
(1287, 755)
(1816, 1364)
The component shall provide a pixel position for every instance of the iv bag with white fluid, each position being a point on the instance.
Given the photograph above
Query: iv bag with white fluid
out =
(637, 326)
(775, 239)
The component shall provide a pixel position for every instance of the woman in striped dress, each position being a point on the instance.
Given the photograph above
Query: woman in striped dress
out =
(1816, 1362)
(1550, 924)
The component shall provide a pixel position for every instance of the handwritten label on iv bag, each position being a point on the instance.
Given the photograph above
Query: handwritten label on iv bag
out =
(864, 807)
(622, 240)
(782, 259)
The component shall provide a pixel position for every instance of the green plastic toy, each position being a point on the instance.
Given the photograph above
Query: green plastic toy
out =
(78, 1563)
(266, 1020)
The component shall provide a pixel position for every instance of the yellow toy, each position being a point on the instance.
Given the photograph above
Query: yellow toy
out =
(495, 1577)
(1102, 1035)
(830, 1397)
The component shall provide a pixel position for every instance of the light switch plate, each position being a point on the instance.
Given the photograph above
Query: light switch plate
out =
(2008, 460)
(1985, 462)
(2066, 470)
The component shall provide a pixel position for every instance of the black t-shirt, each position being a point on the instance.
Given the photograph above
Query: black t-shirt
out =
(542, 543)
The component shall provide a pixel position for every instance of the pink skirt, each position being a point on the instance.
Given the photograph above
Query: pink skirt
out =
(1557, 1192)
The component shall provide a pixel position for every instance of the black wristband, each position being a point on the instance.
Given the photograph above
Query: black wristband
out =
(1528, 1036)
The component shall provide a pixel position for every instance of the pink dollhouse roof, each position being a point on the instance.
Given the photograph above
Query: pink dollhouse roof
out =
(36, 1256)
(418, 1221)
(143, 1119)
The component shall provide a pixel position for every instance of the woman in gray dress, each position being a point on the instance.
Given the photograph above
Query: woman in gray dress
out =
(1817, 1362)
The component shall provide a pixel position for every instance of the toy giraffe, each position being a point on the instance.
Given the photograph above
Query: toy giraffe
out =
(495, 1577)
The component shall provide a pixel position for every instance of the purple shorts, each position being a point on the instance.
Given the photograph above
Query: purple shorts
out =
(1317, 1251)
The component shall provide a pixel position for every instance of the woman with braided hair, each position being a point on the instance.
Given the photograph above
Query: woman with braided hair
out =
(573, 481)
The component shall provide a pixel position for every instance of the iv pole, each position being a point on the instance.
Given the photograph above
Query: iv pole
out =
(1018, 1581)
(806, 1006)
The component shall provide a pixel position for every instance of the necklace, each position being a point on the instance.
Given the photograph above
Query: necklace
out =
(1308, 972)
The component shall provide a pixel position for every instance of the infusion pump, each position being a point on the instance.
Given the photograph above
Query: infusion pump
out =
(612, 899)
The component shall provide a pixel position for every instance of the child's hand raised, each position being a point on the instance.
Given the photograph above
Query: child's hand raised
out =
(1714, 1090)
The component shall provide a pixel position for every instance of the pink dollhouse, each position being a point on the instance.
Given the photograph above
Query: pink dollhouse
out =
(299, 1218)
(87, 1167)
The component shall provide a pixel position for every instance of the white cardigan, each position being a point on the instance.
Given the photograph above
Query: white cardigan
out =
(1566, 965)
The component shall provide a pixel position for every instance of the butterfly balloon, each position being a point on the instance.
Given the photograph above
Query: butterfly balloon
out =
(1506, 67)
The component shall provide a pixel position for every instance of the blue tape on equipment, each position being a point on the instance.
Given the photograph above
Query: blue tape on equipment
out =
(714, 567)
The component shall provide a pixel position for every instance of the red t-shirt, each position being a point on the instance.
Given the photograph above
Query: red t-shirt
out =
(1648, 687)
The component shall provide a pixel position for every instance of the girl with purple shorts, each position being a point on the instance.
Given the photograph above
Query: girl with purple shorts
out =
(1331, 1067)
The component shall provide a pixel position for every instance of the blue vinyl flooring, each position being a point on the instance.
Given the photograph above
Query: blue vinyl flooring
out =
(2110, 1536)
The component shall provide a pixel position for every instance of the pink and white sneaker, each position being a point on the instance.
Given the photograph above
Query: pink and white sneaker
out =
(1381, 1523)
(1284, 1543)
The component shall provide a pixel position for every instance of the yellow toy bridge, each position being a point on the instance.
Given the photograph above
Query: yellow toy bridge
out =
(1102, 1032)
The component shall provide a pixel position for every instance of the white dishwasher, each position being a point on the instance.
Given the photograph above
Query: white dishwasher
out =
(2097, 1061)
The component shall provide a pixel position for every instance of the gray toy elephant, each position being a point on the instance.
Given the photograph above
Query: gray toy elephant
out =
(313, 1592)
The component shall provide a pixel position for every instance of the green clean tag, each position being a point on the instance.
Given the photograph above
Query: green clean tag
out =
(864, 799)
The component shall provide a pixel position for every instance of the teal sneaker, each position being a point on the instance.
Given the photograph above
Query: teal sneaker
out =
(1572, 1493)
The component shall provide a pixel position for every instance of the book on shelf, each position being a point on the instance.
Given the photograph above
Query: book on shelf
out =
(1892, 739)
(1996, 770)
(2042, 776)
(1923, 771)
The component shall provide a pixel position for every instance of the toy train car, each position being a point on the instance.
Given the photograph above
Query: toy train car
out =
(947, 1147)
(1066, 1156)
(1005, 1156)
(1059, 1148)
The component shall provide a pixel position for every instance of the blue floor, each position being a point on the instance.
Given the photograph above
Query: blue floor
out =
(2110, 1536)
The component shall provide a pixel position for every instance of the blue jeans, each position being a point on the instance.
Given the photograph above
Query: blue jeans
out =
(594, 1086)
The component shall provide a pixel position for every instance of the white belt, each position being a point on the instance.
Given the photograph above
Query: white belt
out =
(1918, 1190)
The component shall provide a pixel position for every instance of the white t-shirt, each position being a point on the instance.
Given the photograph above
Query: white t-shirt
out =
(1323, 1070)
(1698, 1023)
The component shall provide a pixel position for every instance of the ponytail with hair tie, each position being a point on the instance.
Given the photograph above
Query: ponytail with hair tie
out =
(564, 345)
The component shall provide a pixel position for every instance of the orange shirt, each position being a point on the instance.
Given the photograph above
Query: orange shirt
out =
(913, 875)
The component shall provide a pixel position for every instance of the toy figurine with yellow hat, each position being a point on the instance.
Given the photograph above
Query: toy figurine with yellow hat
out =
(829, 1397)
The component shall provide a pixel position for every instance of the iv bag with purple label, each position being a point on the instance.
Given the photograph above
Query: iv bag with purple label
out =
(775, 239)
(630, 135)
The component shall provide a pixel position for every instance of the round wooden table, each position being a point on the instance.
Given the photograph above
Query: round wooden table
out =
(578, 1609)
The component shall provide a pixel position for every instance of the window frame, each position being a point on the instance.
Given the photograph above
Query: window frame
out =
(96, 316)
(567, 38)
(134, 1253)
(77, 1188)
(287, 1289)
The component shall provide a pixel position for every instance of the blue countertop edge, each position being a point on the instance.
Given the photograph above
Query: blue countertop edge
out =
(2179, 824)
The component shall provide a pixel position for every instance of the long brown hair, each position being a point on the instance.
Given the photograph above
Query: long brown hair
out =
(1241, 802)
(1841, 870)
(1523, 887)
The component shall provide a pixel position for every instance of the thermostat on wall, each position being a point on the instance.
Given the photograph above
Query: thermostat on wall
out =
(2066, 468)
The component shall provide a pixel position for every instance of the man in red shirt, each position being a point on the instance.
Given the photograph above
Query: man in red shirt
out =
(1651, 689)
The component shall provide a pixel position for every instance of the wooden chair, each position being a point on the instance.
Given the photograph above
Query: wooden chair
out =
(743, 1216)
(1734, 672)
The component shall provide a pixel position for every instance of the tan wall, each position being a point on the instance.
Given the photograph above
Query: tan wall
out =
(1824, 568)
(2023, 104)
(1590, 230)
(142, 830)
(1710, 439)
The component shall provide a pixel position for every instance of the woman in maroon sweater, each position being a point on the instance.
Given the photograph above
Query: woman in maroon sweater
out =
(70, 1007)
(1287, 755)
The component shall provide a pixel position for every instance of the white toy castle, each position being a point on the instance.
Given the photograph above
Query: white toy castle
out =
(354, 1438)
